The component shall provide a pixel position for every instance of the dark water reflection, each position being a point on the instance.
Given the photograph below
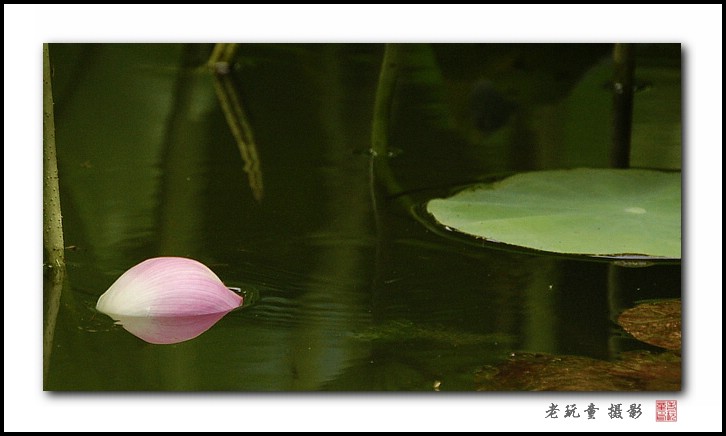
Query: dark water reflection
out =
(347, 296)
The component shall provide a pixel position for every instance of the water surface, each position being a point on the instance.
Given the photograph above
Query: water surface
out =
(348, 289)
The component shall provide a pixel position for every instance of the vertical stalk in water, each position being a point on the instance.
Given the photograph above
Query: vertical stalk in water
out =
(52, 221)
(219, 65)
(623, 83)
(381, 174)
(382, 117)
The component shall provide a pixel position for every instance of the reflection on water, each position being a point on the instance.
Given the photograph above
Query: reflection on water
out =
(347, 297)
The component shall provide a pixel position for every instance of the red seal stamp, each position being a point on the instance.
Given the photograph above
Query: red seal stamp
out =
(666, 410)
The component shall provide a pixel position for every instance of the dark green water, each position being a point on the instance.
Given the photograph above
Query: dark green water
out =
(345, 293)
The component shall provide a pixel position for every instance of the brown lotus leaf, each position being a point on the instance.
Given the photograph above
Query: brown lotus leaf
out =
(656, 323)
(634, 371)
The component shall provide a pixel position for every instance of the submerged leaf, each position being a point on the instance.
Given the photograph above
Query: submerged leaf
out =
(657, 323)
(166, 300)
(635, 371)
(598, 212)
(405, 330)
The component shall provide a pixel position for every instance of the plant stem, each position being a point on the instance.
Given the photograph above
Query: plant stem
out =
(235, 115)
(384, 99)
(623, 83)
(52, 219)
(380, 169)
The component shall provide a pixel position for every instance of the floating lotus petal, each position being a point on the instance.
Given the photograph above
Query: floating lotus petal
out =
(166, 300)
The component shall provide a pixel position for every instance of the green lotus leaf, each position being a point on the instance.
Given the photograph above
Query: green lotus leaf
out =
(597, 212)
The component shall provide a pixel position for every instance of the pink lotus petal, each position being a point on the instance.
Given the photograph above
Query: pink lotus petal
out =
(166, 300)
